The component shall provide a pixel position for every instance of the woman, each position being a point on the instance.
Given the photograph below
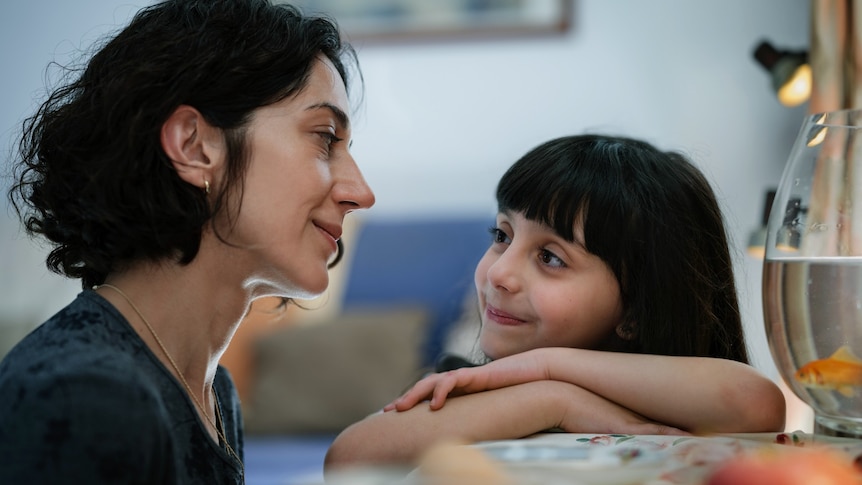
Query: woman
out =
(608, 305)
(200, 161)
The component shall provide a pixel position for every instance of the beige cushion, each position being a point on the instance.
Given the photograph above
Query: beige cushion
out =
(322, 377)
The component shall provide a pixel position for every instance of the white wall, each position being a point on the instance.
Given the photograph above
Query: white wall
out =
(443, 120)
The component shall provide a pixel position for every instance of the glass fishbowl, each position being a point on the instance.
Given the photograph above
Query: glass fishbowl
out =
(812, 275)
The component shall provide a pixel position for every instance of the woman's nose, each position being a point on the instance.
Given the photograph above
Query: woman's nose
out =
(352, 192)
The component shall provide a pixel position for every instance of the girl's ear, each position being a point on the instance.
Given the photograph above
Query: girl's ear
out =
(195, 148)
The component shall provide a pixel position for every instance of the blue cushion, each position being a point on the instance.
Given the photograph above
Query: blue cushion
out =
(429, 262)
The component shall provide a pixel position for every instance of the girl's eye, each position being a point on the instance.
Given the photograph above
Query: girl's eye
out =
(550, 259)
(498, 236)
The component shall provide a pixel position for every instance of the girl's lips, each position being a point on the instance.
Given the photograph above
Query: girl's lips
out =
(501, 317)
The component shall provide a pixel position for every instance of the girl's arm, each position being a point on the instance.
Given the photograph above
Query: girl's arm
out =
(513, 412)
(697, 394)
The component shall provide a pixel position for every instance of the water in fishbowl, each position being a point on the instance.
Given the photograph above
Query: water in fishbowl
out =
(813, 310)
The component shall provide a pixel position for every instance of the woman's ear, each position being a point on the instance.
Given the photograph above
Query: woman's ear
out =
(195, 148)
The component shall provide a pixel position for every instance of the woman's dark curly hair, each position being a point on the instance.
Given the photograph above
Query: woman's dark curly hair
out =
(653, 218)
(93, 178)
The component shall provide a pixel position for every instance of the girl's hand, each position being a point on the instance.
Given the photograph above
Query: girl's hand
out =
(516, 369)
(564, 405)
(438, 387)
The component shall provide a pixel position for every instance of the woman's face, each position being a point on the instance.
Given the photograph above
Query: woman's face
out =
(538, 290)
(301, 182)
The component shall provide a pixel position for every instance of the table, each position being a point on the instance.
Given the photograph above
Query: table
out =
(596, 459)
(619, 459)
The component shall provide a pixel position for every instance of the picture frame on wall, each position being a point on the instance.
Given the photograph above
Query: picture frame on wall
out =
(382, 20)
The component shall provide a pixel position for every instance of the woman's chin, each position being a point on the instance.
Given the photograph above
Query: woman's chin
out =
(308, 289)
(312, 292)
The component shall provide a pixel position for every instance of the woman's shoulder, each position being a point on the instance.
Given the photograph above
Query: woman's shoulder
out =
(90, 419)
(87, 336)
(90, 377)
(84, 355)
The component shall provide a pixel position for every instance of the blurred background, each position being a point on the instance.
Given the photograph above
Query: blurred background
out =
(444, 115)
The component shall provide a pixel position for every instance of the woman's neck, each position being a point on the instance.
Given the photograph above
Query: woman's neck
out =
(179, 315)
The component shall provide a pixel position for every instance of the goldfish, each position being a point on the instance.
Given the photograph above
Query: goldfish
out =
(841, 372)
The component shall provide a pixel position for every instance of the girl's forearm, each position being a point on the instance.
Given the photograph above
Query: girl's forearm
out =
(700, 395)
(400, 437)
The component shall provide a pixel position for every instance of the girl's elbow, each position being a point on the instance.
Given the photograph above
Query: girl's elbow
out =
(367, 444)
(764, 407)
(774, 420)
(335, 457)
(344, 453)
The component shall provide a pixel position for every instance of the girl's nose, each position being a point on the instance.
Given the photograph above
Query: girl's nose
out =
(505, 273)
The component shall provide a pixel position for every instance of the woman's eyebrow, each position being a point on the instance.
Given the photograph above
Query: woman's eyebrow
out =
(340, 116)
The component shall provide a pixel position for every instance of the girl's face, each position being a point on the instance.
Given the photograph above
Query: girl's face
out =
(301, 182)
(538, 290)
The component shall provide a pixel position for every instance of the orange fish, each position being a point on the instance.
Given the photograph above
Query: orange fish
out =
(841, 372)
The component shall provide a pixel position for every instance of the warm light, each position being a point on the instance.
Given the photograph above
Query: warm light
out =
(820, 135)
(789, 71)
(757, 243)
(797, 89)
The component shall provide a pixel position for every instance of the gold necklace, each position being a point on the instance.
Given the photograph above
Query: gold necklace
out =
(180, 375)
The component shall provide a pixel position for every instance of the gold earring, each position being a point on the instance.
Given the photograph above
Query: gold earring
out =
(207, 186)
(625, 331)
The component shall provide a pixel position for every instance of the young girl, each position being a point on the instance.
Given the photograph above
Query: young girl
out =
(608, 305)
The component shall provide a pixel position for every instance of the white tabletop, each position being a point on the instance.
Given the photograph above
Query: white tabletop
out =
(594, 459)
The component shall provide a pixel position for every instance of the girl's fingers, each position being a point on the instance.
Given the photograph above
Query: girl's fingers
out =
(419, 392)
(406, 402)
(441, 392)
(437, 387)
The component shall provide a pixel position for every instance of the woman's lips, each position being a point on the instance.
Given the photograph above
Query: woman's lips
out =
(501, 317)
(332, 234)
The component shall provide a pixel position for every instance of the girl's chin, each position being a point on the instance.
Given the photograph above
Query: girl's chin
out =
(494, 353)
(497, 341)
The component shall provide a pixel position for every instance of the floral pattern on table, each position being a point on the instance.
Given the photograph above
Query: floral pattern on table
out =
(620, 459)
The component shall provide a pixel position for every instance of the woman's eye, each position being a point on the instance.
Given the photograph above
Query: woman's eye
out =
(550, 259)
(329, 139)
(499, 236)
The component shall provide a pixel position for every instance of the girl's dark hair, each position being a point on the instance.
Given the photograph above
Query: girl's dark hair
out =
(653, 218)
(93, 177)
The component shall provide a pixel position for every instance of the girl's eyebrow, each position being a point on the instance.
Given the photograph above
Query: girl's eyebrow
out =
(577, 238)
(576, 241)
(340, 116)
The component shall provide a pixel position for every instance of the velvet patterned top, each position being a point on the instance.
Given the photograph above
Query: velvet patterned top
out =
(84, 400)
